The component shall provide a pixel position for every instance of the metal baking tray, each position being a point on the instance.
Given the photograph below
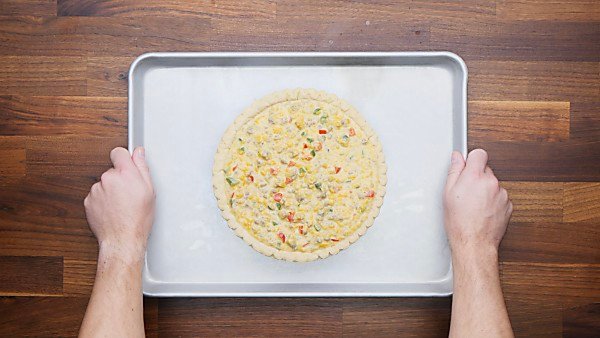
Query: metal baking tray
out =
(181, 103)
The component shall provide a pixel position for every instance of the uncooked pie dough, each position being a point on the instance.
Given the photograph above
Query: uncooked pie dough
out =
(299, 175)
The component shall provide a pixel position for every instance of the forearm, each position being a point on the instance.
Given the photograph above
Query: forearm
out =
(478, 308)
(116, 305)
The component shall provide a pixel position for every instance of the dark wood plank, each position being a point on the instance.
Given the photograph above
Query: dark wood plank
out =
(73, 156)
(517, 41)
(277, 317)
(46, 196)
(551, 242)
(574, 160)
(585, 120)
(63, 115)
(129, 8)
(41, 316)
(535, 201)
(41, 75)
(151, 316)
(387, 10)
(98, 36)
(582, 202)
(533, 81)
(519, 120)
(108, 76)
(28, 7)
(46, 236)
(307, 33)
(551, 284)
(572, 10)
(400, 317)
(13, 163)
(534, 319)
(78, 277)
(28, 276)
(582, 321)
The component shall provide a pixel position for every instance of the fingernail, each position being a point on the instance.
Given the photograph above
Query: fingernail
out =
(454, 158)
(142, 152)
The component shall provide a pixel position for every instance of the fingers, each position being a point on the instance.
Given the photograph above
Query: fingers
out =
(139, 159)
(120, 158)
(457, 164)
(477, 161)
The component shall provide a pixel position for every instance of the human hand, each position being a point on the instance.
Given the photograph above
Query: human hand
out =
(120, 208)
(476, 208)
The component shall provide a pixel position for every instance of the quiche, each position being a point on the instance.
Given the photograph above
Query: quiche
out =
(299, 175)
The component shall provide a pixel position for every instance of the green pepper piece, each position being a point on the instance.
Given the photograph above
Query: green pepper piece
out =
(232, 181)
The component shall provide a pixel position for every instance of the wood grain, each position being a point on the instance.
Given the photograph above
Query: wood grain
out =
(574, 160)
(535, 201)
(108, 76)
(41, 316)
(302, 33)
(28, 7)
(129, 8)
(29, 276)
(400, 10)
(98, 36)
(78, 277)
(62, 115)
(582, 321)
(53, 155)
(572, 10)
(13, 163)
(151, 317)
(551, 242)
(547, 284)
(582, 202)
(516, 40)
(46, 196)
(403, 317)
(519, 120)
(250, 317)
(585, 120)
(534, 81)
(41, 75)
(532, 319)
(46, 236)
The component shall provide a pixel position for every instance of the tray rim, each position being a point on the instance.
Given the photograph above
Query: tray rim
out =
(448, 278)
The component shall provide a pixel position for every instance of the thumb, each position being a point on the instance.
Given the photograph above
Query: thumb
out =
(139, 159)
(456, 167)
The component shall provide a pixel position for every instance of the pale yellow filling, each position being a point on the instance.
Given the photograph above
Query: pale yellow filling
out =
(301, 175)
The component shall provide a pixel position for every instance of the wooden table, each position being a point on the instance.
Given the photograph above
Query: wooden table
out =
(534, 104)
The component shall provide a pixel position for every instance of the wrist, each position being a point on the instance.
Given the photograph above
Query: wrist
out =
(475, 251)
(128, 255)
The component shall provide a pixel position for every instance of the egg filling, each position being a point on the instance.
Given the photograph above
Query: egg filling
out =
(301, 175)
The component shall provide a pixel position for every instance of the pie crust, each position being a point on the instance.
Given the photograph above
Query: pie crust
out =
(227, 149)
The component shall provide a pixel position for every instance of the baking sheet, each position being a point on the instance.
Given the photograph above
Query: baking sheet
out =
(181, 103)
